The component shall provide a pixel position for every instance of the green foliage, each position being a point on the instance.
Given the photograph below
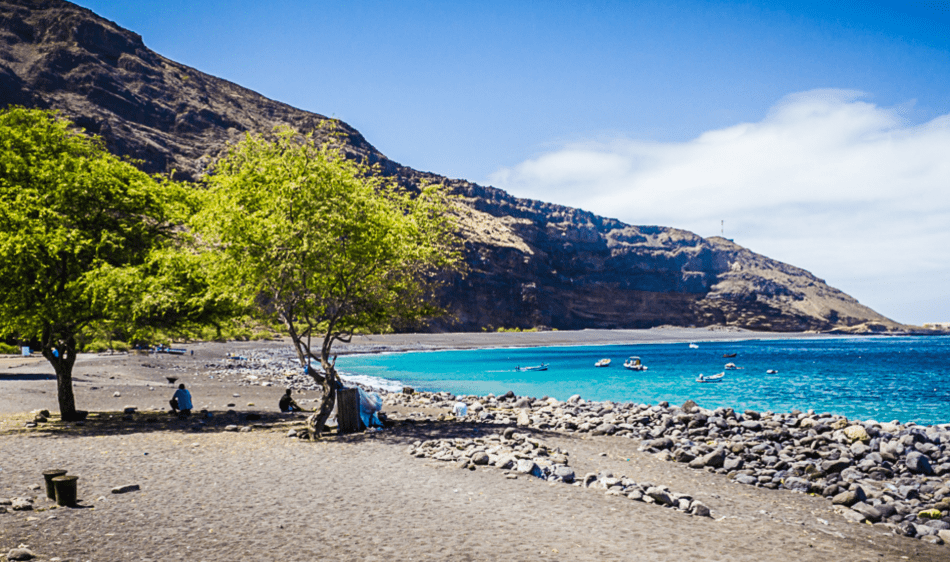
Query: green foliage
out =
(87, 241)
(320, 243)
(8, 349)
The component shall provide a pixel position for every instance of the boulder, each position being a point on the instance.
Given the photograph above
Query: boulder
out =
(20, 554)
(659, 495)
(868, 511)
(797, 484)
(849, 498)
(480, 458)
(856, 433)
(831, 467)
(564, 473)
(746, 479)
(918, 463)
(524, 418)
(699, 509)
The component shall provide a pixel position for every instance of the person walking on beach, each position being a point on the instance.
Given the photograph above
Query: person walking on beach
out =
(181, 401)
(287, 403)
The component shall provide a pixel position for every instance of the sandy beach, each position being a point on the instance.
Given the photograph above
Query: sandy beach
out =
(207, 493)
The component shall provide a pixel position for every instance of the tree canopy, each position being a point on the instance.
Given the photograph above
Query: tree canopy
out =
(86, 239)
(322, 244)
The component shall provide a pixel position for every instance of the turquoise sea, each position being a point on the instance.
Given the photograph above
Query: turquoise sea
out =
(879, 378)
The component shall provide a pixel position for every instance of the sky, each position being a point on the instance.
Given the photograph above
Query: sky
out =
(816, 133)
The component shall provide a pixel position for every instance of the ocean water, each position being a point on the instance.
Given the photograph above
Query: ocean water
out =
(879, 378)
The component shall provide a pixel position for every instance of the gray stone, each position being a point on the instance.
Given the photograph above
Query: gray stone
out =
(523, 403)
(480, 458)
(636, 494)
(932, 539)
(859, 449)
(126, 489)
(918, 463)
(565, 473)
(659, 495)
(714, 459)
(797, 484)
(746, 479)
(528, 466)
(732, 463)
(699, 509)
(938, 524)
(20, 554)
(852, 474)
(830, 467)
(852, 516)
(682, 455)
(868, 511)
(661, 443)
(906, 529)
(751, 425)
(21, 504)
(589, 479)
(524, 418)
(849, 497)
(231, 428)
(505, 462)
(945, 535)
(509, 432)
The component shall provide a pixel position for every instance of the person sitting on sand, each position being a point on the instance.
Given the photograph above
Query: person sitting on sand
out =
(181, 401)
(287, 403)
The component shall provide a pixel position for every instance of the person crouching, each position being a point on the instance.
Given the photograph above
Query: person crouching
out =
(181, 401)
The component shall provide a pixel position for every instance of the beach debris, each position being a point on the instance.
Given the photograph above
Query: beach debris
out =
(117, 394)
(126, 489)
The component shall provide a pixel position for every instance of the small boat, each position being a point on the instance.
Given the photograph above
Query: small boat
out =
(634, 364)
(728, 355)
(712, 378)
(731, 367)
(602, 363)
(541, 367)
(693, 346)
(771, 372)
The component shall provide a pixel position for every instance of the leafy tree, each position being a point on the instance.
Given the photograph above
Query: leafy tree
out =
(89, 241)
(323, 245)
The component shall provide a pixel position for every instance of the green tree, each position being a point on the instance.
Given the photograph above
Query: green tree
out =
(89, 241)
(324, 245)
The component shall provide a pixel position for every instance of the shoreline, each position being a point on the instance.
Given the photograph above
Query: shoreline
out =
(247, 485)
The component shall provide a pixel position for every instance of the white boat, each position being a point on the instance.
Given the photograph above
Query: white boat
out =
(731, 367)
(602, 363)
(541, 367)
(693, 346)
(634, 364)
(771, 372)
(712, 378)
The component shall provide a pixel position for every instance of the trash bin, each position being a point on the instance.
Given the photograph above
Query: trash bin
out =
(48, 475)
(65, 490)
(348, 410)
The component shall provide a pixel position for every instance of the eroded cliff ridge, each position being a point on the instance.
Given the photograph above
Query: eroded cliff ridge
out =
(530, 263)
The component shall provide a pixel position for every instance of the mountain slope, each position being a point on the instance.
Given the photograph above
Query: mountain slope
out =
(531, 263)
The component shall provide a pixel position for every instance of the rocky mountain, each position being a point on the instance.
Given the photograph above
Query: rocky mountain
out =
(531, 263)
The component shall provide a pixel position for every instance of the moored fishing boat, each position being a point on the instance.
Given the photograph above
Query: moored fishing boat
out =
(712, 378)
(602, 363)
(634, 364)
(541, 367)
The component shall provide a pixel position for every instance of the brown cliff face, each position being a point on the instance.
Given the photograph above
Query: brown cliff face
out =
(531, 263)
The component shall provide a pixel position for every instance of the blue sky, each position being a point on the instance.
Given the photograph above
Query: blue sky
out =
(818, 131)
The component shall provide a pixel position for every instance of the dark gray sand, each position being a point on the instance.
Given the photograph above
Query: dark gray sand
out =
(259, 495)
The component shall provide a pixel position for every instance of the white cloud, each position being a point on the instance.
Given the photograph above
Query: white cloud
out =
(826, 181)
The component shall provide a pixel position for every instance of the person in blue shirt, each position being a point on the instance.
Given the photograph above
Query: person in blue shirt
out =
(181, 401)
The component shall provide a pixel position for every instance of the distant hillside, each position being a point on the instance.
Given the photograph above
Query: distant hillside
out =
(531, 263)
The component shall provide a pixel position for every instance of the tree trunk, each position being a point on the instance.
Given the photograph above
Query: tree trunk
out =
(329, 396)
(62, 363)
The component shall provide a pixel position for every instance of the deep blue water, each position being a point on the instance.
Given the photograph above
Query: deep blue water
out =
(880, 378)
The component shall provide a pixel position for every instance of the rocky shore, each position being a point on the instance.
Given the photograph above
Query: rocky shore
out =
(896, 475)
(882, 473)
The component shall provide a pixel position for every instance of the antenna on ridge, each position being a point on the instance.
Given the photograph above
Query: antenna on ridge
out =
(722, 228)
